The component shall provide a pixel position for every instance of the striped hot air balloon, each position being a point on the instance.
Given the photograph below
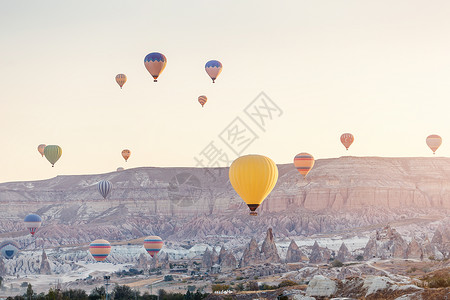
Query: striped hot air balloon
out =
(121, 79)
(9, 249)
(153, 245)
(104, 188)
(41, 148)
(155, 63)
(434, 141)
(347, 139)
(100, 249)
(304, 163)
(213, 68)
(202, 100)
(126, 154)
(52, 153)
(32, 223)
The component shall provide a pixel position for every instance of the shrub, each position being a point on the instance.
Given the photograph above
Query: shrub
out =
(337, 263)
(220, 287)
(286, 283)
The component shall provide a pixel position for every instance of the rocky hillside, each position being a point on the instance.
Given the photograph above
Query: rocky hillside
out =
(195, 203)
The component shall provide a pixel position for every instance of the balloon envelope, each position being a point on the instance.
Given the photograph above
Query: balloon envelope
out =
(347, 139)
(32, 222)
(100, 249)
(153, 245)
(9, 249)
(41, 148)
(434, 141)
(213, 68)
(121, 79)
(202, 100)
(155, 63)
(104, 188)
(304, 163)
(52, 153)
(253, 177)
(126, 154)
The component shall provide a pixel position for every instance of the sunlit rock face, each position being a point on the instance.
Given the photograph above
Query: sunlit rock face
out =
(197, 203)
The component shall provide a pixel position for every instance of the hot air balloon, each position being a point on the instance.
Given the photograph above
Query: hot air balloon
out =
(41, 148)
(104, 188)
(434, 141)
(347, 139)
(9, 249)
(155, 63)
(121, 79)
(213, 68)
(153, 245)
(32, 222)
(52, 153)
(253, 177)
(202, 100)
(304, 163)
(100, 249)
(126, 154)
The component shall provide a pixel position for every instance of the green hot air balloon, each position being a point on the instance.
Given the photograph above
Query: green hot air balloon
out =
(52, 153)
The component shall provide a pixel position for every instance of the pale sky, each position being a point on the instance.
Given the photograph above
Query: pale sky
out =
(377, 69)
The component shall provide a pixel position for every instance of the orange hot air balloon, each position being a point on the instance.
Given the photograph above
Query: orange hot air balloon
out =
(121, 79)
(126, 154)
(41, 148)
(347, 139)
(304, 163)
(202, 100)
(434, 141)
(100, 249)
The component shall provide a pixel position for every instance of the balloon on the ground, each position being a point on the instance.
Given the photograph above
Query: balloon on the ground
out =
(100, 249)
(202, 100)
(347, 139)
(434, 141)
(104, 188)
(213, 68)
(32, 222)
(52, 153)
(253, 177)
(9, 249)
(119, 169)
(155, 63)
(121, 79)
(41, 148)
(153, 245)
(304, 163)
(126, 154)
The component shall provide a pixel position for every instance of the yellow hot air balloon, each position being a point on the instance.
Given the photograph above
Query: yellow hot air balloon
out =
(41, 148)
(434, 142)
(126, 154)
(253, 177)
(304, 163)
(121, 79)
(52, 153)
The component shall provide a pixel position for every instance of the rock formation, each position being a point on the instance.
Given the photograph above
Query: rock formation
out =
(319, 254)
(45, 265)
(344, 254)
(142, 262)
(207, 259)
(321, 286)
(227, 259)
(251, 255)
(414, 250)
(269, 249)
(294, 254)
(386, 243)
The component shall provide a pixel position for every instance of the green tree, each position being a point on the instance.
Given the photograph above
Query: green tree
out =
(75, 295)
(30, 292)
(97, 293)
(337, 264)
(124, 292)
